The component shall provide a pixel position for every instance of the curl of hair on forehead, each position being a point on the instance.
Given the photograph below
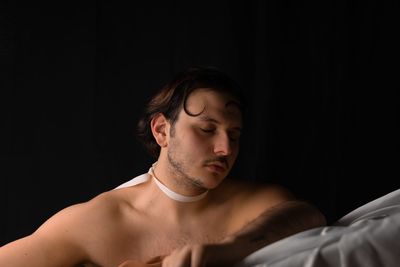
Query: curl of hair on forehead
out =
(209, 86)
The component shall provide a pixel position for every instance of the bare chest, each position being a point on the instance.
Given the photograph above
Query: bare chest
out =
(158, 239)
(143, 239)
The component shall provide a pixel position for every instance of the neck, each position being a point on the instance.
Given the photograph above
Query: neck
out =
(174, 192)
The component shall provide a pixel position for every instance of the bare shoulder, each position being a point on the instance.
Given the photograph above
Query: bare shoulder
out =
(253, 199)
(89, 220)
(260, 192)
(248, 200)
(78, 223)
(256, 197)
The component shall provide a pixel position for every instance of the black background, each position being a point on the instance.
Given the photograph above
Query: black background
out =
(319, 79)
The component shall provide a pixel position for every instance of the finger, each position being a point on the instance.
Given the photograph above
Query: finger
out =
(178, 258)
(156, 264)
(185, 257)
(132, 263)
(198, 257)
(157, 259)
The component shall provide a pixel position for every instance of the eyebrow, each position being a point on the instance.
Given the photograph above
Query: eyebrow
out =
(209, 119)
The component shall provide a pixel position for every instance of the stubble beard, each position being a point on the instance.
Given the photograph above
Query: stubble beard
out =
(180, 172)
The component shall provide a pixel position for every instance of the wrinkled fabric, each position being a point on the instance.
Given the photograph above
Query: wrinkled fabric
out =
(367, 236)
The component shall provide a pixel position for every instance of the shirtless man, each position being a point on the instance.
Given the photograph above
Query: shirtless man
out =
(183, 212)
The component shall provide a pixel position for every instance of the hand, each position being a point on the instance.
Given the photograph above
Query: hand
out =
(132, 263)
(154, 262)
(217, 255)
(200, 256)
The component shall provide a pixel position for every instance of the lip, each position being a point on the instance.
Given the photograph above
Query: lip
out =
(216, 167)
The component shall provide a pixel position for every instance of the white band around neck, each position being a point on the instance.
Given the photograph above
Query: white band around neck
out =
(173, 195)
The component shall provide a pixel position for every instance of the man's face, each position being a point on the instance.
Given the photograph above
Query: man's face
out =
(203, 148)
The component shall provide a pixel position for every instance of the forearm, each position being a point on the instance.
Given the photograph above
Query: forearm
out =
(36, 251)
(274, 224)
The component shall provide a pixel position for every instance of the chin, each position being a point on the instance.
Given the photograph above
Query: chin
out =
(212, 180)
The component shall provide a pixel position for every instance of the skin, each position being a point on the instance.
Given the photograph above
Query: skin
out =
(140, 226)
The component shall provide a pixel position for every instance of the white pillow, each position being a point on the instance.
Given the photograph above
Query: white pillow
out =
(367, 236)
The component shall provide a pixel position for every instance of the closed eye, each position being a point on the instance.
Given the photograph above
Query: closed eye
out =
(207, 130)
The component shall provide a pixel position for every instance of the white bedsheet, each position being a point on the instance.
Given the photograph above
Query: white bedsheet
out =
(367, 236)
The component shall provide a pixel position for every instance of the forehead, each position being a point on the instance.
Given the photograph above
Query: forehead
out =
(216, 105)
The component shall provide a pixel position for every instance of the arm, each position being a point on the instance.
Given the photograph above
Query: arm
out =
(277, 222)
(51, 245)
(36, 251)
(285, 218)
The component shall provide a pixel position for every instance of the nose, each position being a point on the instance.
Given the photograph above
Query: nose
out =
(222, 145)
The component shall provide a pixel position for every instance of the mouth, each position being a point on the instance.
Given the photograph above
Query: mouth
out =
(217, 167)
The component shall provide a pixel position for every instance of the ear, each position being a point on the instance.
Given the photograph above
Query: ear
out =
(160, 129)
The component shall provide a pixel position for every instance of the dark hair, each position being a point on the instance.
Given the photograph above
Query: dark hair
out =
(172, 98)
